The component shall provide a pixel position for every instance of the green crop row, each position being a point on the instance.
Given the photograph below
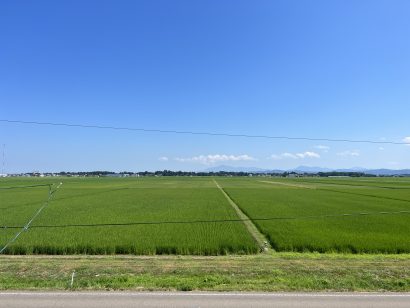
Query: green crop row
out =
(168, 208)
(184, 215)
(309, 204)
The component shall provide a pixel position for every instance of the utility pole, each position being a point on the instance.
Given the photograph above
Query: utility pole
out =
(4, 161)
(2, 174)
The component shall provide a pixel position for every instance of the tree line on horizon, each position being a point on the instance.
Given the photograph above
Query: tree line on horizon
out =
(194, 173)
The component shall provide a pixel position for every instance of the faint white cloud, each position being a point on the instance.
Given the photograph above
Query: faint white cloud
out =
(323, 148)
(211, 159)
(163, 158)
(289, 155)
(303, 155)
(407, 140)
(308, 154)
(349, 153)
(381, 148)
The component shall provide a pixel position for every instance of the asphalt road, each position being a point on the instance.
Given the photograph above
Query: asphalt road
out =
(201, 299)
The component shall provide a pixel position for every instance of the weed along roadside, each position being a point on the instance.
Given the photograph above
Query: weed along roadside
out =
(264, 272)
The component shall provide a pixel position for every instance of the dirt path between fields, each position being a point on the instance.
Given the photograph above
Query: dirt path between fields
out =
(289, 184)
(260, 239)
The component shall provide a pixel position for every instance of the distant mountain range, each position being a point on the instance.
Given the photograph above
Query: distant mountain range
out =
(308, 169)
(239, 169)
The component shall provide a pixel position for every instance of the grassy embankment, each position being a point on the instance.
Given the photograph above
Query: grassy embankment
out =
(265, 272)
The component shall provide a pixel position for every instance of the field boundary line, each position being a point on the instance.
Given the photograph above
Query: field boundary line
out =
(364, 195)
(352, 185)
(260, 239)
(336, 191)
(51, 193)
(288, 184)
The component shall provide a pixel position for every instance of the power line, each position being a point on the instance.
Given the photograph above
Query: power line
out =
(208, 221)
(200, 133)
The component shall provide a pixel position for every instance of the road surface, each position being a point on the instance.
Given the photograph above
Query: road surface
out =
(201, 299)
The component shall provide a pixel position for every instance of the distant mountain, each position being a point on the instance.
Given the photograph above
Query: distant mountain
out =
(240, 169)
(354, 169)
(309, 169)
(388, 172)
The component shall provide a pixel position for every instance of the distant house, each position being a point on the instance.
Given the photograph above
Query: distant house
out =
(114, 175)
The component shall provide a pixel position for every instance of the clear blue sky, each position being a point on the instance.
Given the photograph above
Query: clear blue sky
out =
(332, 69)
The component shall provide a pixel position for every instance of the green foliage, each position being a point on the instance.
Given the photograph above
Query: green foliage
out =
(301, 198)
(104, 201)
(260, 272)
(84, 201)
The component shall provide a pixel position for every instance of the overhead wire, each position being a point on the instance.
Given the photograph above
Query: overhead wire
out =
(187, 132)
(51, 192)
(210, 221)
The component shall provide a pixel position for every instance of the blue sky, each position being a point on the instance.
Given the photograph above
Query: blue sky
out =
(324, 69)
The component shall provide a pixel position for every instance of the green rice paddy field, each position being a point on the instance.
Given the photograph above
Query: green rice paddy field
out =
(190, 215)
